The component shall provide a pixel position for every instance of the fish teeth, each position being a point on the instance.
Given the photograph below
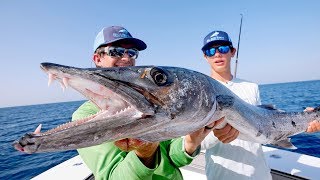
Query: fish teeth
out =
(65, 82)
(51, 79)
(62, 86)
(38, 129)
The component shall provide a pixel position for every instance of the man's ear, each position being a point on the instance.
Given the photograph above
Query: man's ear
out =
(233, 52)
(96, 58)
(205, 57)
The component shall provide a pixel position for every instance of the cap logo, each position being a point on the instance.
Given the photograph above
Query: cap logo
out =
(123, 33)
(214, 34)
(215, 37)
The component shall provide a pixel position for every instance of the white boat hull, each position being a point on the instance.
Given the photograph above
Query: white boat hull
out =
(284, 165)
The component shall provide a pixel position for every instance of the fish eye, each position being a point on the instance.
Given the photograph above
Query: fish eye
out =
(159, 76)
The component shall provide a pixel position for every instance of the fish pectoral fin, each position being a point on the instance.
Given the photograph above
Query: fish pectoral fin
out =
(286, 143)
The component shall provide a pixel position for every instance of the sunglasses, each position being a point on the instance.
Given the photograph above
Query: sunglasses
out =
(118, 52)
(212, 51)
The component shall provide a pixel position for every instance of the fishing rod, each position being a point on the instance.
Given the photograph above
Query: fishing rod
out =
(236, 64)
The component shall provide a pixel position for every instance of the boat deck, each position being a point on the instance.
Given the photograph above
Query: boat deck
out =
(284, 165)
(197, 167)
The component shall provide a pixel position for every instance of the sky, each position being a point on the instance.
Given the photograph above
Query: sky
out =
(279, 41)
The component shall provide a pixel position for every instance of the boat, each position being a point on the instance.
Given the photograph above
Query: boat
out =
(285, 165)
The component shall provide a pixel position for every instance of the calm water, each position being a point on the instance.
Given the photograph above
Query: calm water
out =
(15, 121)
(295, 97)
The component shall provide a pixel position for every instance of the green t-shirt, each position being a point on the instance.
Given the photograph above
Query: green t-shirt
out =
(107, 161)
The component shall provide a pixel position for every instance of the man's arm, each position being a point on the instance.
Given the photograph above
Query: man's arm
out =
(183, 150)
(225, 135)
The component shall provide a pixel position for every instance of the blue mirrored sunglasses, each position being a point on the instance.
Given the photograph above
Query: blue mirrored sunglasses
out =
(212, 51)
(118, 52)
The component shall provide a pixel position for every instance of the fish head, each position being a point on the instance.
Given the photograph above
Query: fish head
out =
(151, 90)
(149, 103)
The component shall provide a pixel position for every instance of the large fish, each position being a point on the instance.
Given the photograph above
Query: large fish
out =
(155, 104)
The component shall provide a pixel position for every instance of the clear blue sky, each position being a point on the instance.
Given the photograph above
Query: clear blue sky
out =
(279, 43)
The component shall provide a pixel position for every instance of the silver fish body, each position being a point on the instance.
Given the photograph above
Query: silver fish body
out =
(155, 104)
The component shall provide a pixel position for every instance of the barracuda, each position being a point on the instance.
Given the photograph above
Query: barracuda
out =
(155, 104)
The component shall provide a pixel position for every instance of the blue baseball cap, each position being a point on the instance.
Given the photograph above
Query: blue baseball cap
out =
(216, 37)
(117, 34)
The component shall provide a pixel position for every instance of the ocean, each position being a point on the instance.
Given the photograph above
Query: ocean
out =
(16, 121)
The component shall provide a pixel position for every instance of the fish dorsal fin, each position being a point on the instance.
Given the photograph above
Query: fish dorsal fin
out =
(224, 101)
(268, 106)
(286, 143)
(316, 109)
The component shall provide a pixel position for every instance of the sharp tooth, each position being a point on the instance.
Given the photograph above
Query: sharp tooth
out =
(51, 78)
(62, 86)
(65, 82)
(38, 129)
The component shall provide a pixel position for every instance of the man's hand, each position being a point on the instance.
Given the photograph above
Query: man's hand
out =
(314, 126)
(193, 140)
(144, 150)
(225, 134)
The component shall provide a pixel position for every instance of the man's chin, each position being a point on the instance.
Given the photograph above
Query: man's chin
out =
(129, 144)
(122, 144)
(220, 69)
(123, 65)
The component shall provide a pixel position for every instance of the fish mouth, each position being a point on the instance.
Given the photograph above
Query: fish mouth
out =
(123, 107)
(112, 103)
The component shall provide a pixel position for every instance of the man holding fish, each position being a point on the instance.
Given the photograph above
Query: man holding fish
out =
(226, 156)
(129, 104)
(132, 158)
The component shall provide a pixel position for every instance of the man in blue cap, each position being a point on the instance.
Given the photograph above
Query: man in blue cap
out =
(226, 156)
(111, 44)
(231, 158)
(132, 158)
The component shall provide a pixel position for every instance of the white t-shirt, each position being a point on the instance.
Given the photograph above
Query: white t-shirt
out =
(239, 159)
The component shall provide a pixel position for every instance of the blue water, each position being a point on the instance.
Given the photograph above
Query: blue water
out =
(16, 121)
(295, 97)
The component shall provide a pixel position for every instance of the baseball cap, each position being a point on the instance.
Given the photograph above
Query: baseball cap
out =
(117, 34)
(216, 37)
